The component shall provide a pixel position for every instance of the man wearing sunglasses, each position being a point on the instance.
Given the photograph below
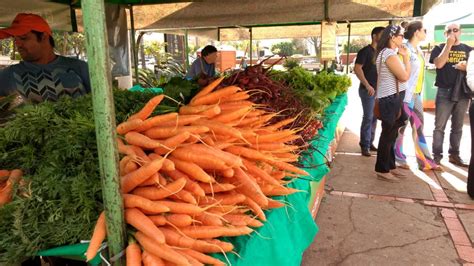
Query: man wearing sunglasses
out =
(449, 58)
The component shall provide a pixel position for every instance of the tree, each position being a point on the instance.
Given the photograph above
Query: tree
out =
(69, 43)
(300, 47)
(6, 46)
(316, 42)
(356, 45)
(283, 48)
(157, 50)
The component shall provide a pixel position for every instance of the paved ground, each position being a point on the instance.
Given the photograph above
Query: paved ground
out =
(428, 219)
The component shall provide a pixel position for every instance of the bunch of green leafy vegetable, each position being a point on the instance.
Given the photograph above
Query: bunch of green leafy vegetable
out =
(179, 89)
(55, 145)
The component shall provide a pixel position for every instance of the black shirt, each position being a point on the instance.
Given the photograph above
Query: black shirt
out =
(446, 76)
(365, 57)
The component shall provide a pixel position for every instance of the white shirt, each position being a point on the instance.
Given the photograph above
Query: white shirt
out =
(387, 82)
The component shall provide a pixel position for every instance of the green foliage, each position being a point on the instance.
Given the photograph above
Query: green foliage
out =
(70, 43)
(55, 145)
(300, 47)
(283, 48)
(356, 45)
(291, 63)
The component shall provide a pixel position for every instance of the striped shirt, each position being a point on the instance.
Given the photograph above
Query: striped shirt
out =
(387, 81)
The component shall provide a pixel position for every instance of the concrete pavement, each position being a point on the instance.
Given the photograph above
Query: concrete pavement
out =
(427, 219)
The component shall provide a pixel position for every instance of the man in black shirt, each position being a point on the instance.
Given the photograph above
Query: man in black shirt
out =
(367, 74)
(449, 59)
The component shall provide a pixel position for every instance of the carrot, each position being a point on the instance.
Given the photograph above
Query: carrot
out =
(214, 231)
(134, 201)
(273, 204)
(248, 120)
(229, 172)
(239, 96)
(242, 219)
(224, 199)
(97, 238)
(156, 121)
(123, 163)
(250, 188)
(181, 120)
(137, 139)
(274, 147)
(148, 109)
(133, 254)
(232, 115)
(179, 220)
(171, 143)
(142, 223)
(255, 208)
(125, 149)
(168, 165)
(225, 246)
(129, 125)
(4, 173)
(180, 208)
(194, 109)
(216, 187)
(272, 137)
(208, 89)
(185, 196)
(214, 97)
(279, 175)
(135, 178)
(229, 158)
(211, 112)
(140, 154)
(192, 260)
(166, 132)
(270, 190)
(6, 192)
(254, 170)
(177, 239)
(191, 185)
(289, 138)
(153, 180)
(202, 257)
(151, 260)
(287, 167)
(281, 124)
(155, 193)
(208, 219)
(191, 169)
(160, 250)
(205, 161)
(219, 128)
(236, 105)
(246, 152)
(263, 119)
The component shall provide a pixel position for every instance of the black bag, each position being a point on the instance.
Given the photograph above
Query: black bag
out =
(461, 85)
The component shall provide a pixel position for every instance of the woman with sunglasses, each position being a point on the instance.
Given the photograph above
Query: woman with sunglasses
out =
(449, 59)
(412, 103)
(393, 72)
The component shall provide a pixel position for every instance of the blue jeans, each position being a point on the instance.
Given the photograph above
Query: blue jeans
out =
(446, 108)
(369, 122)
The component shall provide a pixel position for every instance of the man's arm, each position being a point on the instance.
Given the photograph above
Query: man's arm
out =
(360, 75)
(442, 58)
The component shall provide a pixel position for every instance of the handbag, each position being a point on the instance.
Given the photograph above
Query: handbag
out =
(461, 85)
(376, 103)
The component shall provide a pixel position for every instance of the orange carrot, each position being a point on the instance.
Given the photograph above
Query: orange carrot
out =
(281, 124)
(205, 161)
(278, 174)
(155, 193)
(134, 201)
(181, 120)
(129, 125)
(171, 143)
(123, 162)
(242, 219)
(219, 128)
(160, 250)
(192, 260)
(225, 246)
(179, 220)
(140, 154)
(151, 260)
(4, 173)
(194, 109)
(273, 204)
(250, 188)
(97, 238)
(168, 165)
(184, 196)
(153, 180)
(125, 149)
(247, 152)
(177, 239)
(230, 159)
(223, 198)
(232, 115)
(167, 132)
(191, 185)
(270, 190)
(142, 223)
(130, 167)
(191, 169)
(208, 219)
(211, 112)
(254, 170)
(135, 178)
(137, 139)
(148, 109)
(203, 258)
(156, 121)
(208, 89)
(255, 208)
(287, 167)
(180, 208)
(239, 96)
(216, 187)
(214, 231)
(214, 97)
(133, 254)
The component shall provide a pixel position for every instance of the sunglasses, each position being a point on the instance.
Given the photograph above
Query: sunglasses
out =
(452, 30)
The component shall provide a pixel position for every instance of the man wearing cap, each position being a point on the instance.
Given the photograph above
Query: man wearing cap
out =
(41, 75)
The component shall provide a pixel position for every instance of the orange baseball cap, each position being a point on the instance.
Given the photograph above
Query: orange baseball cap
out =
(24, 23)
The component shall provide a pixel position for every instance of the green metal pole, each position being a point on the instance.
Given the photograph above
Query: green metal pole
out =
(186, 48)
(104, 116)
(134, 49)
(348, 46)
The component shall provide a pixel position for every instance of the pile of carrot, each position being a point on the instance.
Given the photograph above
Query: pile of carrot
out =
(8, 179)
(205, 172)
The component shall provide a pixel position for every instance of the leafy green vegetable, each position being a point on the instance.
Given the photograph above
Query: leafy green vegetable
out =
(55, 145)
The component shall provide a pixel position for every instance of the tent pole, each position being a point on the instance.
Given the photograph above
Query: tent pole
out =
(104, 116)
(250, 45)
(348, 45)
(134, 48)
(186, 48)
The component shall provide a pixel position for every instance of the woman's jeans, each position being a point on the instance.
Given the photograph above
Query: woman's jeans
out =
(369, 122)
(445, 108)
(389, 108)
(470, 177)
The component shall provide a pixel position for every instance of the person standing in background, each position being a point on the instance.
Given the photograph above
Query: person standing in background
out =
(412, 104)
(366, 72)
(470, 83)
(449, 59)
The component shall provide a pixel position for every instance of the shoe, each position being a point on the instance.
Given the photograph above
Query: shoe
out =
(372, 147)
(456, 160)
(398, 173)
(437, 159)
(365, 152)
(387, 177)
(403, 166)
